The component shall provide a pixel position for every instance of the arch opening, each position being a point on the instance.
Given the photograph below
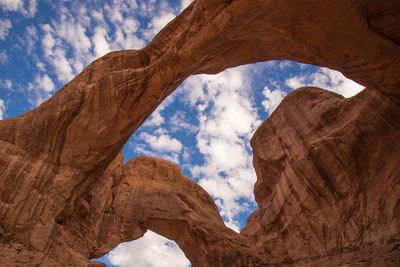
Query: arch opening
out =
(150, 250)
(195, 128)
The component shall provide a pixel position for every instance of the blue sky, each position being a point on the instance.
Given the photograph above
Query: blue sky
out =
(204, 127)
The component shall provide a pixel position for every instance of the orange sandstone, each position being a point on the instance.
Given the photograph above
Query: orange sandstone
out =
(328, 172)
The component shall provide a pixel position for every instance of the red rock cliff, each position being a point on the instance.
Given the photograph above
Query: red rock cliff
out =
(327, 167)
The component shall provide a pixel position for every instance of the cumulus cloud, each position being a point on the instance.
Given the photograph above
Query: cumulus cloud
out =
(41, 89)
(3, 57)
(74, 33)
(65, 42)
(284, 64)
(156, 119)
(62, 65)
(121, 16)
(32, 8)
(98, 16)
(5, 26)
(143, 149)
(157, 23)
(7, 84)
(272, 98)
(162, 142)
(48, 40)
(2, 108)
(82, 33)
(119, 11)
(56, 55)
(11, 5)
(150, 250)
(158, 143)
(45, 83)
(29, 10)
(227, 121)
(185, 4)
(32, 38)
(101, 46)
(178, 122)
(327, 79)
(130, 25)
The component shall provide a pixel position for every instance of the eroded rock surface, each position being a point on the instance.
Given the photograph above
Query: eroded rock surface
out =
(327, 167)
(328, 181)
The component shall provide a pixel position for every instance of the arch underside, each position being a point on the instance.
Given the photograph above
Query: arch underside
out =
(327, 167)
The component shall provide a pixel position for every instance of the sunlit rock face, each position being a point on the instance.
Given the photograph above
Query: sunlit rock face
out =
(327, 167)
(328, 180)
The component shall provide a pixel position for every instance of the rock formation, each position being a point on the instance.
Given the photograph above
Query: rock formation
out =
(328, 180)
(328, 185)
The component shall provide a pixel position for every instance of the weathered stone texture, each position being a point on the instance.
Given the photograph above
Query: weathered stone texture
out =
(327, 167)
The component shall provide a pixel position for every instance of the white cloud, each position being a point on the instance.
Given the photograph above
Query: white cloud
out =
(150, 250)
(114, 13)
(66, 45)
(11, 5)
(101, 46)
(118, 12)
(162, 142)
(185, 4)
(186, 156)
(157, 24)
(98, 15)
(175, 123)
(296, 82)
(121, 15)
(48, 40)
(5, 26)
(31, 38)
(62, 66)
(272, 98)
(74, 33)
(18, 6)
(327, 79)
(142, 149)
(71, 32)
(3, 57)
(7, 84)
(227, 121)
(31, 9)
(130, 25)
(147, 8)
(2, 108)
(284, 64)
(40, 66)
(56, 55)
(156, 119)
(122, 40)
(45, 83)
(178, 123)
(41, 89)
(80, 34)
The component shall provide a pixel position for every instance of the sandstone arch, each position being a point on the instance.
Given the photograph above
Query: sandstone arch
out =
(54, 158)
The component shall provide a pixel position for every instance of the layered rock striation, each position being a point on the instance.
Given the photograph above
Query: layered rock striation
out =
(328, 181)
(328, 173)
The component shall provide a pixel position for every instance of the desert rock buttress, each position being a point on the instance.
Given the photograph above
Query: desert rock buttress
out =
(328, 168)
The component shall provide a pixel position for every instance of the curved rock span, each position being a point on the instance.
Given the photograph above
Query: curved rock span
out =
(328, 172)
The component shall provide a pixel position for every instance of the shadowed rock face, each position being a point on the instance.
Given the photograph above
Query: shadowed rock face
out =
(328, 170)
